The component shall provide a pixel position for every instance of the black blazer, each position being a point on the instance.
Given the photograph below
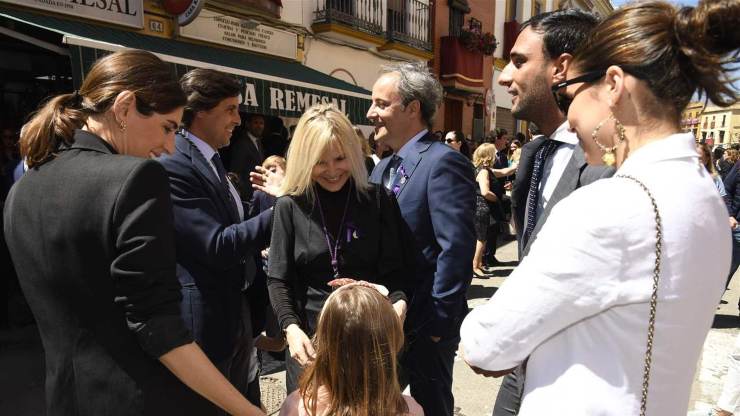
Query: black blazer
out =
(244, 156)
(214, 249)
(90, 233)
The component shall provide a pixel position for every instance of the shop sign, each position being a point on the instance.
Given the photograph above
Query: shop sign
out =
(191, 12)
(243, 34)
(121, 12)
(282, 100)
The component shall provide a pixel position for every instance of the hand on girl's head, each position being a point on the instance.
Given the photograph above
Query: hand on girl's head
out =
(345, 282)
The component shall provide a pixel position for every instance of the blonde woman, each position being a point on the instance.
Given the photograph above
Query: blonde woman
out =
(487, 207)
(330, 223)
(357, 341)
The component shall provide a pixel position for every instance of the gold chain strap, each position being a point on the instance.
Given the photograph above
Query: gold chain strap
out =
(653, 297)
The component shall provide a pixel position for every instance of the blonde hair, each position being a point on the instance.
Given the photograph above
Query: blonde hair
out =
(274, 160)
(484, 155)
(363, 141)
(732, 155)
(357, 339)
(321, 127)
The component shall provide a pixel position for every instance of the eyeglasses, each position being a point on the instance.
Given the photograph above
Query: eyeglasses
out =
(563, 101)
(448, 141)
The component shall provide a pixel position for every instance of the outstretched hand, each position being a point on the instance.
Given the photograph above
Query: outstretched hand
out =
(266, 180)
(345, 281)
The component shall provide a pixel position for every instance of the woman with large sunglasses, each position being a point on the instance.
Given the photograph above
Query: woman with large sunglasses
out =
(612, 304)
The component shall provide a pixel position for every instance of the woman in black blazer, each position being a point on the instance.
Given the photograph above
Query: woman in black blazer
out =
(89, 228)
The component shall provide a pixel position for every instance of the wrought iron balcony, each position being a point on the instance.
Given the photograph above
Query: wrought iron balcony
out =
(362, 15)
(409, 22)
(403, 25)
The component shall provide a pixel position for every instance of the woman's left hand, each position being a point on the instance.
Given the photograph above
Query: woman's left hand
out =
(400, 307)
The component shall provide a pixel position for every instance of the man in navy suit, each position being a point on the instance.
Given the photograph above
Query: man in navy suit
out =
(215, 245)
(435, 189)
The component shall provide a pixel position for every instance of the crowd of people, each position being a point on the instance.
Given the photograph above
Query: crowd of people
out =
(155, 269)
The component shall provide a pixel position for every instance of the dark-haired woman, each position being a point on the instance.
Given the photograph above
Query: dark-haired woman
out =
(89, 228)
(456, 140)
(612, 304)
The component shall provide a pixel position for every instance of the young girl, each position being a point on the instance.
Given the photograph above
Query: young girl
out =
(354, 373)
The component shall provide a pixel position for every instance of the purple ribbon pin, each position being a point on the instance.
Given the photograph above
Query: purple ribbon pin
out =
(352, 231)
(403, 177)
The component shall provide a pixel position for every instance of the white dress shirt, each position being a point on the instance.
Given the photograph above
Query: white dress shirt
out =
(578, 304)
(555, 166)
(256, 142)
(207, 151)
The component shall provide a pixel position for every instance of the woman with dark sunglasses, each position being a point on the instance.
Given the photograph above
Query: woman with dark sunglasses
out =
(456, 140)
(612, 304)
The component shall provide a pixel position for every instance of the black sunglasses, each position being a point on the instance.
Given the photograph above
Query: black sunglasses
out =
(563, 101)
(450, 141)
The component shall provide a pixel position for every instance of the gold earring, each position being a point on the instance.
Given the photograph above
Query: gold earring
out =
(608, 156)
(123, 126)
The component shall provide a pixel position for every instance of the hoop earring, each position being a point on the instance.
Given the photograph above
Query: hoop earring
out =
(609, 158)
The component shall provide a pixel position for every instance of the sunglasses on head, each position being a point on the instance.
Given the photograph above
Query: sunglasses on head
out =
(564, 101)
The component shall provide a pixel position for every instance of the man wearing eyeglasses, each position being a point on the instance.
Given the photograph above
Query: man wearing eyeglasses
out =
(552, 165)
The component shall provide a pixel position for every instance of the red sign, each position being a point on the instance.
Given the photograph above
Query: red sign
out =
(176, 7)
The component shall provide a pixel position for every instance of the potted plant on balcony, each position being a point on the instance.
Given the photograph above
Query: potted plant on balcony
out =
(474, 40)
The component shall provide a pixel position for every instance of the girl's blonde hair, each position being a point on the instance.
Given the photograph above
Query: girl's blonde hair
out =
(274, 160)
(484, 155)
(357, 339)
(321, 127)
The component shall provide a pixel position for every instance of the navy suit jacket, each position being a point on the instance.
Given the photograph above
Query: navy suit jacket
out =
(213, 249)
(437, 201)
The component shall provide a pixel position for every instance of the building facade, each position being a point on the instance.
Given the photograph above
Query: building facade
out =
(351, 39)
(463, 47)
(691, 117)
(720, 126)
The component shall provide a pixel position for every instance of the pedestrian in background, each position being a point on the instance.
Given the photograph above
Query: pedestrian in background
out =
(105, 297)
(725, 164)
(581, 310)
(488, 207)
(366, 150)
(456, 140)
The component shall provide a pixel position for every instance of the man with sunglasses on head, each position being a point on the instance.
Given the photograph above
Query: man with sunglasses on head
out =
(552, 165)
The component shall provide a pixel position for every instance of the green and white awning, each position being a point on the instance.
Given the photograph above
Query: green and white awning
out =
(271, 86)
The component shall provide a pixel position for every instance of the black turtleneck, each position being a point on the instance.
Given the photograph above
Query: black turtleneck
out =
(374, 245)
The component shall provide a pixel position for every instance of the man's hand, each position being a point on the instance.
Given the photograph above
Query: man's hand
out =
(489, 373)
(267, 181)
(400, 307)
(733, 223)
(300, 345)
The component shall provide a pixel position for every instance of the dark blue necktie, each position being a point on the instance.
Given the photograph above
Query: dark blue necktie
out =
(390, 172)
(545, 150)
(216, 159)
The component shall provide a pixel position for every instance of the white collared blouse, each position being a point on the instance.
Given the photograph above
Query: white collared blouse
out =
(577, 305)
